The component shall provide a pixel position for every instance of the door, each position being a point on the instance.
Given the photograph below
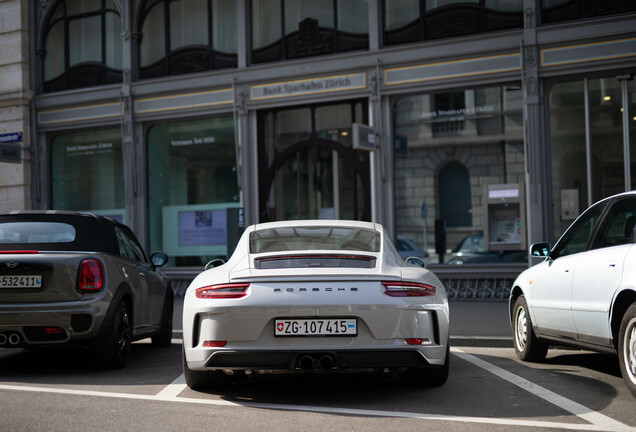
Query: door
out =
(308, 168)
(552, 285)
(599, 272)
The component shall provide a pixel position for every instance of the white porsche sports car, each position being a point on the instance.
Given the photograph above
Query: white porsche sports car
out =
(310, 296)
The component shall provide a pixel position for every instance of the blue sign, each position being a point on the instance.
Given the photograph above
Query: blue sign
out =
(13, 137)
(424, 211)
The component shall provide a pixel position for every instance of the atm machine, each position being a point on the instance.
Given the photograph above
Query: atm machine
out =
(505, 217)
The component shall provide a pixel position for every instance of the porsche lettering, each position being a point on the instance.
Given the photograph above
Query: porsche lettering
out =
(327, 289)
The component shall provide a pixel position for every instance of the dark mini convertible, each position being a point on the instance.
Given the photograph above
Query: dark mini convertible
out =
(69, 278)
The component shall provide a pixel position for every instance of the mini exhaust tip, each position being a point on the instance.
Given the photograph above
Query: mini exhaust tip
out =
(306, 362)
(3, 339)
(14, 339)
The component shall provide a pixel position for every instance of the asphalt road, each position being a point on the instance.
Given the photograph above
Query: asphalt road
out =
(488, 390)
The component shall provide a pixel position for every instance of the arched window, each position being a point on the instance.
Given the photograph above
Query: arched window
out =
(454, 195)
(184, 36)
(81, 45)
(408, 21)
(288, 29)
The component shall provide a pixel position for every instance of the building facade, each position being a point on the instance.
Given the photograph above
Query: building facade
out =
(497, 121)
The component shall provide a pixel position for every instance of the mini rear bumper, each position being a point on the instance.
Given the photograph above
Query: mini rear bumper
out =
(44, 324)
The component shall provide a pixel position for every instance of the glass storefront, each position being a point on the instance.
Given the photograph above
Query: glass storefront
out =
(88, 172)
(192, 181)
(588, 134)
(456, 144)
(307, 166)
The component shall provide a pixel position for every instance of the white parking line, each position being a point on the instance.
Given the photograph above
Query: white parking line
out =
(595, 418)
(597, 421)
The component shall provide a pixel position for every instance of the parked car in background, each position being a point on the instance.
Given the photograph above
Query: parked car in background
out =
(583, 294)
(408, 248)
(472, 250)
(69, 278)
(315, 296)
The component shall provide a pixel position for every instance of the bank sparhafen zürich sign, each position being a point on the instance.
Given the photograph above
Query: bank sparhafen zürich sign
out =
(10, 147)
(308, 86)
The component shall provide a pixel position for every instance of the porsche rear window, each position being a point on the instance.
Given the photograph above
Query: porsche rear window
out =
(36, 232)
(314, 239)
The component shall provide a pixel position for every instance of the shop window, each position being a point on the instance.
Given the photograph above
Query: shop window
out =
(81, 45)
(289, 29)
(452, 146)
(185, 36)
(87, 173)
(589, 167)
(192, 181)
(408, 21)
(553, 11)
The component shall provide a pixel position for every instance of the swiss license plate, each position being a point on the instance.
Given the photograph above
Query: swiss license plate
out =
(316, 327)
(21, 281)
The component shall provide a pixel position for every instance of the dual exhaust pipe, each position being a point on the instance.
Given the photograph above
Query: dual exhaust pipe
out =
(11, 339)
(324, 362)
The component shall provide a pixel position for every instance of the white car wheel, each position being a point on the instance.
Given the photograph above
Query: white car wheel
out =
(627, 348)
(527, 346)
(521, 333)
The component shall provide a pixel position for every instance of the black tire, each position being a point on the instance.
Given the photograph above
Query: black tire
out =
(627, 348)
(164, 337)
(428, 377)
(199, 380)
(113, 348)
(527, 346)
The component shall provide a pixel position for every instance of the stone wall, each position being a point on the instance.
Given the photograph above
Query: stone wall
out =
(15, 97)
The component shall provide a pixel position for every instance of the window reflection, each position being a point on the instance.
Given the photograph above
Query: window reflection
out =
(457, 143)
(87, 172)
(185, 36)
(192, 180)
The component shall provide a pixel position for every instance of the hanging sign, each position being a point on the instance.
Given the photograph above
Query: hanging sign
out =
(363, 137)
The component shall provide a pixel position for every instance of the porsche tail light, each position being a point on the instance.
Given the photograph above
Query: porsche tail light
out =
(223, 291)
(91, 276)
(408, 289)
(214, 344)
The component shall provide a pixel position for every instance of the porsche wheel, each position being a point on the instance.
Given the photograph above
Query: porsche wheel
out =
(527, 346)
(428, 377)
(212, 380)
(627, 348)
(113, 349)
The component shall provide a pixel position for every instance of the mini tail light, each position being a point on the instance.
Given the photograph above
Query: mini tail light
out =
(53, 330)
(223, 291)
(408, 289)
(418, 341)
(91, 276)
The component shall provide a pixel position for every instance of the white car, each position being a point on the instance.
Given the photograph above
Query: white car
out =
(584, 292)
(309, 296)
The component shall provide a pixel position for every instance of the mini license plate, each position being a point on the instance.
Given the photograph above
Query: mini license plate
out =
(316, 327)
(21, 281)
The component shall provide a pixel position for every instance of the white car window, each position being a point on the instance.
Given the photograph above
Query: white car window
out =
(576, 238)
(618, 225)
